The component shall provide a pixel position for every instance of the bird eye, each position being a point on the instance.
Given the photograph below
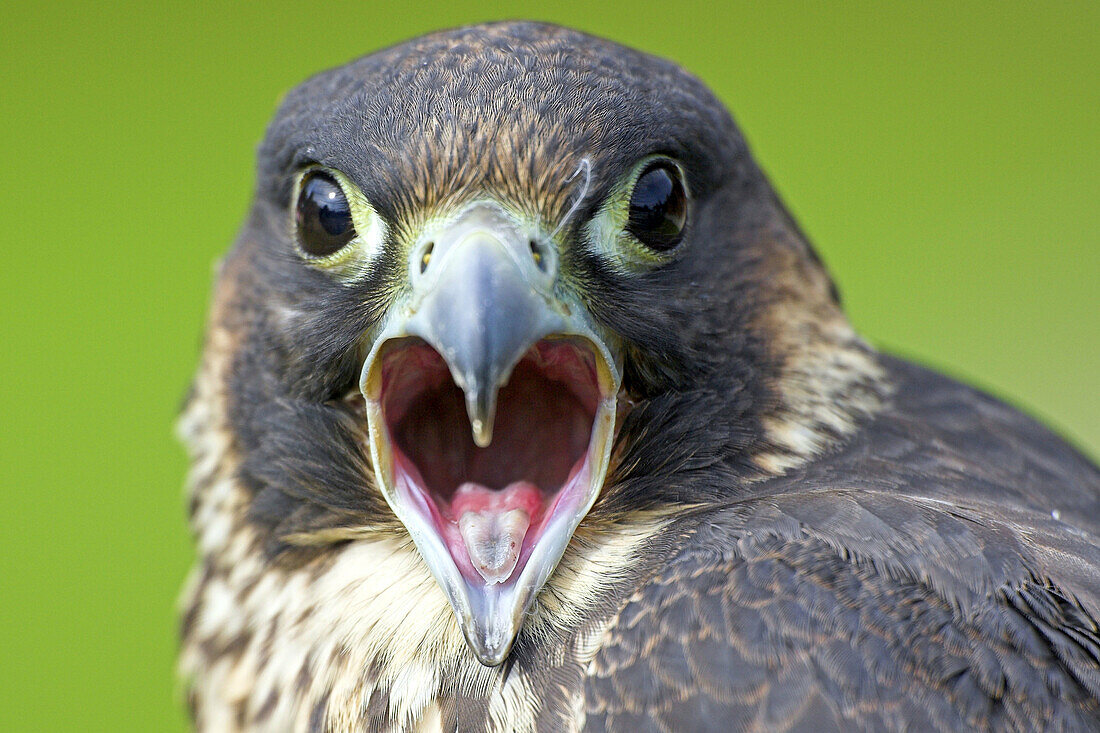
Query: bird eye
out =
(323, 216)
(658, 207)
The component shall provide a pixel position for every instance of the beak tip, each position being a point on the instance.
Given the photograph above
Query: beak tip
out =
(481, 407)
(483, 433)
(492, 654)
(492, 622)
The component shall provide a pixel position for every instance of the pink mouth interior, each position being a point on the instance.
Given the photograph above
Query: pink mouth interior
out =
(538, 457)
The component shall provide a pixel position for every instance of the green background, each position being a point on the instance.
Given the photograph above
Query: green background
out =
(945, 160)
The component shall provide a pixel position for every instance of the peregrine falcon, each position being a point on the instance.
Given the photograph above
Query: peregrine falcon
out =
(525, 405)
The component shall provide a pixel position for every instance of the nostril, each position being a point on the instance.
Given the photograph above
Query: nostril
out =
(537, 254)
(426, 256)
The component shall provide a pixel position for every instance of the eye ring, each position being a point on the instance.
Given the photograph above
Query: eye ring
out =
(322, 215)
(657, 214)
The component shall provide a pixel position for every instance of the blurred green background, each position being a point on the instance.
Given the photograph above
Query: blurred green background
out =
(945, 160)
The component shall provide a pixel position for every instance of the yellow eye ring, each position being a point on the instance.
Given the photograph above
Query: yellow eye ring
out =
(632, 231)
(334, 227)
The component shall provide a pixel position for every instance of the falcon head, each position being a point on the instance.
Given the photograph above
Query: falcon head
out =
(502, 282)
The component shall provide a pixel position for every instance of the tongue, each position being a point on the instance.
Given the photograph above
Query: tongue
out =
(493, 525)
(493, 541)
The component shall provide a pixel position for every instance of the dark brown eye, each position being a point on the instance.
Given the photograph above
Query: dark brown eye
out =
(323, 216)
(658, 207)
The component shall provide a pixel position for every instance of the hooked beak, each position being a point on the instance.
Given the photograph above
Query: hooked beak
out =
(491, 408)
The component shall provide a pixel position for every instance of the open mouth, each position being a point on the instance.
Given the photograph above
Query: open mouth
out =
(491, 405)
(491, 507)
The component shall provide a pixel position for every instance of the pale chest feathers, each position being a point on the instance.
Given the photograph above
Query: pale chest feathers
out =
(366, 634)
